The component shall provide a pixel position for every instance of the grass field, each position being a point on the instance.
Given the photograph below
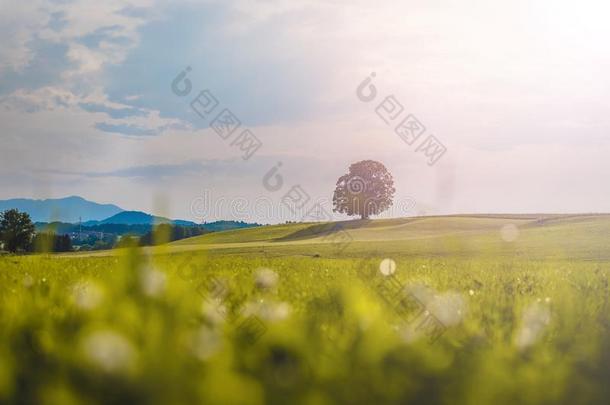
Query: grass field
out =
(482, 309)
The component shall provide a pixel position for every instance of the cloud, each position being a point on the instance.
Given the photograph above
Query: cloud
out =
(265, 72)
(19, 20)
(48, 98)
(57, 21)
(160, 171)
(152, 171)
(113, 112)
(48, 61)
(116, 49)
(125, 129)
(68, 23)
(135, 12)
(104, 36)
(128, 129)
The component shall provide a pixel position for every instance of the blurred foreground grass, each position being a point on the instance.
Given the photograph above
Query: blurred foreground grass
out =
(167, 327)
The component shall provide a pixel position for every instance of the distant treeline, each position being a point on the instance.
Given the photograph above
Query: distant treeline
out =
(138, 230)
(117, 229)
(49, 242)
(168, 233)
(19, 235)
(64, 237)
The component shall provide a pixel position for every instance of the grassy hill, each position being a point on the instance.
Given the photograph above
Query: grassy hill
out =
(538, 236)
(520, 304)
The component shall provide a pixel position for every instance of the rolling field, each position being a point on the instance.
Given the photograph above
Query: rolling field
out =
(480, 309)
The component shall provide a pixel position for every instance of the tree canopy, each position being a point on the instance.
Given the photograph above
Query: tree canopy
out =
(367, 189)
(16, 230)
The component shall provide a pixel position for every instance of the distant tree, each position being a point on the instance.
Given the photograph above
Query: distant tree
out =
(63, 243)
(50, 242)
(16, 230)
(102, 245)
(367, 189)
(164, 233)
(127, 241)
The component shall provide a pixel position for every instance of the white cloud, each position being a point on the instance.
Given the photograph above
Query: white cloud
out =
(19, 20)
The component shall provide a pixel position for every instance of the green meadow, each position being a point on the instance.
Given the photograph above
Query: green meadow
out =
(501, 309)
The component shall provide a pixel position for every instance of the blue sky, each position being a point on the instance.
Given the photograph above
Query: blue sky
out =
(517, 93)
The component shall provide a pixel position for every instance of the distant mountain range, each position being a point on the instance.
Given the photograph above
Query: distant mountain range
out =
(67, 212)
(138, 218)
(68, 209)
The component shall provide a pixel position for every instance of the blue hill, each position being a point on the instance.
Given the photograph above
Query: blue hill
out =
(72, 210)
(131, 218)
(140, 218)
(68, 209)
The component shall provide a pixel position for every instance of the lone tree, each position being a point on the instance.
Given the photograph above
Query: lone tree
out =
(16, 230)
(366, 190)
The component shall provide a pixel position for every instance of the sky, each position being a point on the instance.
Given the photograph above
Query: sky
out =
(511, 100)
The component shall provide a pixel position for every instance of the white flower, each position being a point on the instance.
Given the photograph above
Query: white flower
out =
(387, 267)
(535, 319)
(280, 311)
(447, 308)
(87, 295)
(206, 342)
(109, 351)
(268, 310)
(214, 310)
(265, 279)
(153, 282)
